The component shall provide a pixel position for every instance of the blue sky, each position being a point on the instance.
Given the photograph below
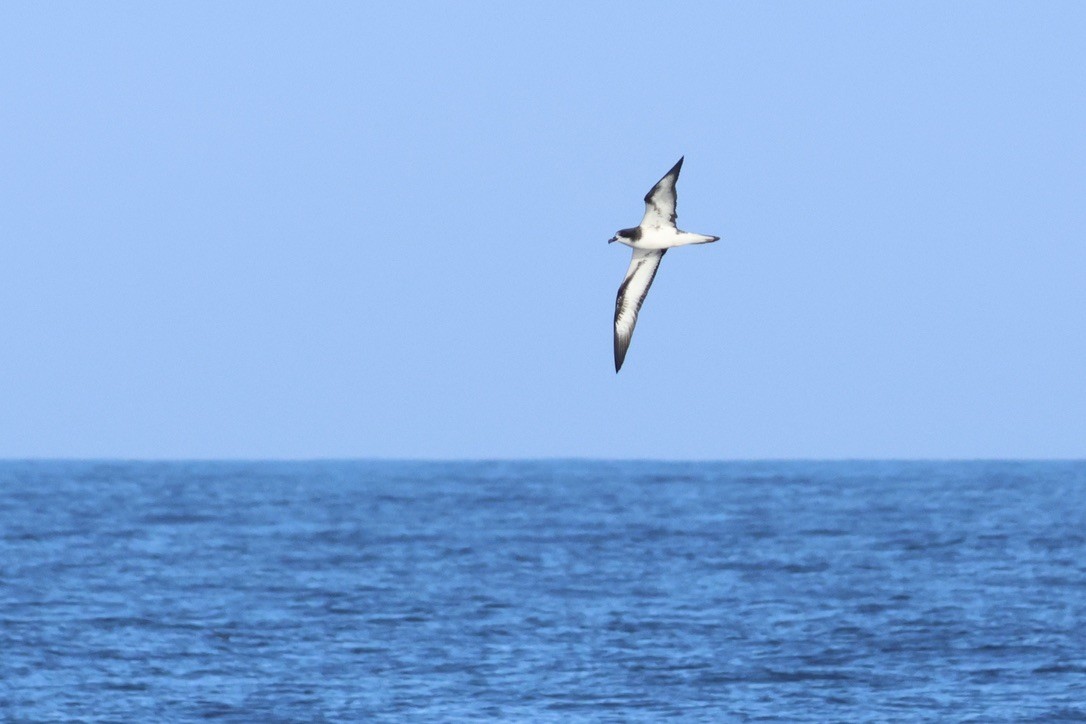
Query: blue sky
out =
(379, 229)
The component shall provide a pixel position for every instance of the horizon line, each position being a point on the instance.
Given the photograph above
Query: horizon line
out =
(536, 459)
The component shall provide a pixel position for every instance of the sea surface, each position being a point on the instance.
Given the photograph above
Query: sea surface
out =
(543, 591)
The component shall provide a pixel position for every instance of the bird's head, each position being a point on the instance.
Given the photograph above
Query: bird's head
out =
(626, 235)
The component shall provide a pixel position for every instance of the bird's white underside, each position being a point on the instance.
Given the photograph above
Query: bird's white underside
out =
(665, 237)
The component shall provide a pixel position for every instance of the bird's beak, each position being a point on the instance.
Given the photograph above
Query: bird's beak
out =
(613, 238)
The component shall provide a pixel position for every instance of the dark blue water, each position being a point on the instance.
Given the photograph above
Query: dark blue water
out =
(543, 591)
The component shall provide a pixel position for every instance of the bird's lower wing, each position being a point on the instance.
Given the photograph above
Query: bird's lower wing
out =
(631, 294)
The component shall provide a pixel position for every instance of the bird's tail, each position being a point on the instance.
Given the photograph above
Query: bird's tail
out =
(687, 238)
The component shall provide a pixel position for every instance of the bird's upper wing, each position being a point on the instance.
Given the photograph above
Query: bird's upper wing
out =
(660, 200)
(631, 294)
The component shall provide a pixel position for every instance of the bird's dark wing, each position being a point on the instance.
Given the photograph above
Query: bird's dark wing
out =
(631, 294)
(661, 199)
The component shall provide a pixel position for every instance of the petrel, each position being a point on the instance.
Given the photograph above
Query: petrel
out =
(650, 241)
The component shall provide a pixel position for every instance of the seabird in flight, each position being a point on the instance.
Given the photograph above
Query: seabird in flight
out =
(650, 240)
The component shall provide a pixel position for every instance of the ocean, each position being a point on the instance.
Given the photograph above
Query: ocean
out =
(543, 591)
